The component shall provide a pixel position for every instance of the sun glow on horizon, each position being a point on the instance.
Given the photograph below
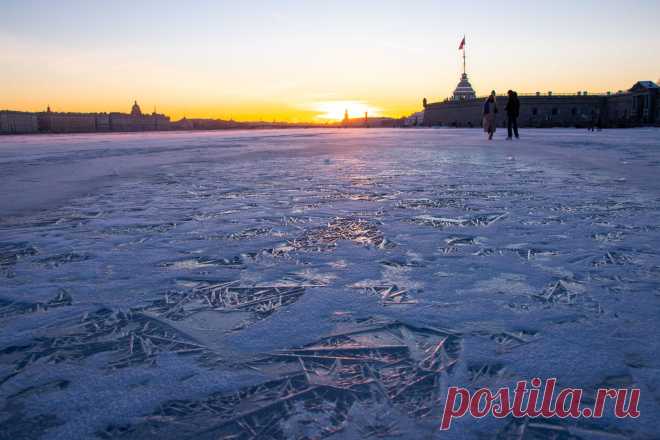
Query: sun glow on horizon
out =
(334, 110)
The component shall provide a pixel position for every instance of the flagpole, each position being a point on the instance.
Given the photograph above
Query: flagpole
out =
(464, 55)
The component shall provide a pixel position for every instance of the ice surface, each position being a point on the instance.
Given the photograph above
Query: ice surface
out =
(322, 283)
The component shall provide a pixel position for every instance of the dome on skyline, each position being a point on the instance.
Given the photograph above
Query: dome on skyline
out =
(136, 111)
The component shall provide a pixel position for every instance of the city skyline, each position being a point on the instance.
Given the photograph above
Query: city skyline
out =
(294, 61)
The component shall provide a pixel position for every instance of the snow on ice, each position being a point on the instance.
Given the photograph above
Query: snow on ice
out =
(323, 283)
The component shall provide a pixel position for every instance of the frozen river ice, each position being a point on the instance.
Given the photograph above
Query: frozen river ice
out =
(323, 283)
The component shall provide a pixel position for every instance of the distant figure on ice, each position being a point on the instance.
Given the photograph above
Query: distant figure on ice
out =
(596, 121)
(512, 112)
(592, 121)
(490, 111)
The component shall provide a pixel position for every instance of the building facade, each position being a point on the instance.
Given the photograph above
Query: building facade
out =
(124, 122)
(12, 122)
(56, 122)
(137, 121)
(414, 120)
(637, 106)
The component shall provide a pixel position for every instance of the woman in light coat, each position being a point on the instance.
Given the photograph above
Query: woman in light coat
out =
(490, 112)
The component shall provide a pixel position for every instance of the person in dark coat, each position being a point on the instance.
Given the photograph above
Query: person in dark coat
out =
(512, 112)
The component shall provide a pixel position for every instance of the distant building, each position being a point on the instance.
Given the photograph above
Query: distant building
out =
(183, 124)
(56, 122)
(12, 122)
(372, 122)
(638, 106)
(204, 124)
(645, 102)
(414, 120)
(137, 121)
(346, 121)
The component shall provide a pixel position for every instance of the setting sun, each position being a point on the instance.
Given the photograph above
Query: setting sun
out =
(334, 110)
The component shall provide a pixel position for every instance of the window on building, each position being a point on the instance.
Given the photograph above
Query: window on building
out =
(535, 111)
(555, 111)
(573, 111)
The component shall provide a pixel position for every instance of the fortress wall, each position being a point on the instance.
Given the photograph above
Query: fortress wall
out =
(560, 111)
(618, 110)
(535, 111)
(454, 114)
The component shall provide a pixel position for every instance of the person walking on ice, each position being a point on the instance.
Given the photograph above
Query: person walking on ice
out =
(489, 114)
(512, 112)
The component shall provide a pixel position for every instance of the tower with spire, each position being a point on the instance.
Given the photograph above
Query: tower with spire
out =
(464, 89)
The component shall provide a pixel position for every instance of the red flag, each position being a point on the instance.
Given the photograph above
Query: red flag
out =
(462, 44)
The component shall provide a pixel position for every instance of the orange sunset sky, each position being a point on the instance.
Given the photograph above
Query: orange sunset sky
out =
(308, 60)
